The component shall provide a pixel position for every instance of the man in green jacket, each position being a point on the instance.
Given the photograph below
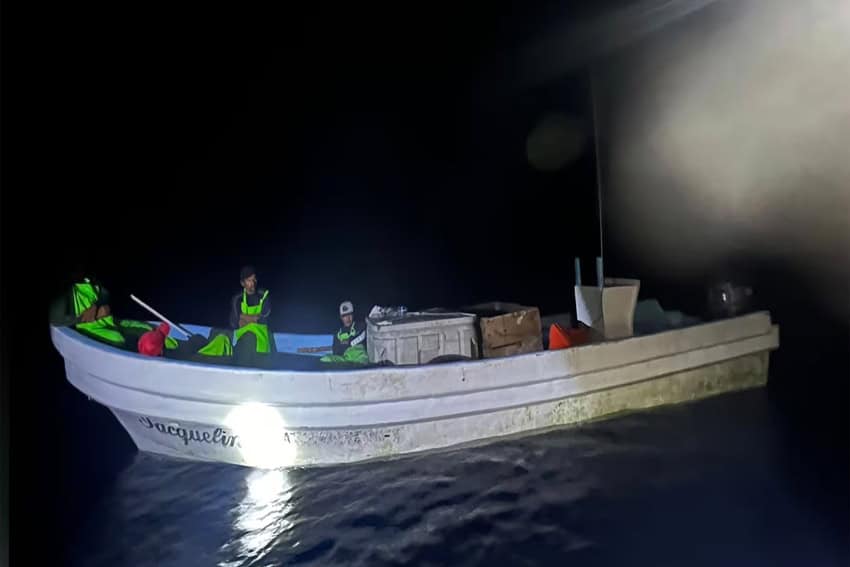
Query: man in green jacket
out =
(85, 307)
(350, 340)
(249, 315)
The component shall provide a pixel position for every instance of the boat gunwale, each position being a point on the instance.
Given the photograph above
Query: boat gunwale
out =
(465, 395)
(435, 395)
(74, 336)
(542, 366)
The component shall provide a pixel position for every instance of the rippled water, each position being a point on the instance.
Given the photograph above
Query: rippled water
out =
(711, 483)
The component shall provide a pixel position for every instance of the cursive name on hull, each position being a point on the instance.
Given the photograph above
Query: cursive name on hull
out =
(217, 436)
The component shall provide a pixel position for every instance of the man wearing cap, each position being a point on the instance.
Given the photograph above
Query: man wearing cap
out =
(249, 313)
(350, 341)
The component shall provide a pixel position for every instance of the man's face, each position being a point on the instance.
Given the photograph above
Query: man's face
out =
(347, 319)
(250, 283)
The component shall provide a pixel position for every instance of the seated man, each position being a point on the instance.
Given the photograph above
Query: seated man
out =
(86, 308)
(350, 341)
(249, 315)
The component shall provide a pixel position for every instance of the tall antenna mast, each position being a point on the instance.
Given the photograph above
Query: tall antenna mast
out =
(598, 175)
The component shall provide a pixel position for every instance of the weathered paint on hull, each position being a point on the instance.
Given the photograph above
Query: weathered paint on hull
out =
(217, 442)
(296, 418)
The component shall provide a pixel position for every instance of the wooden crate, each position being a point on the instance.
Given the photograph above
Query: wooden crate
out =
(507, 328)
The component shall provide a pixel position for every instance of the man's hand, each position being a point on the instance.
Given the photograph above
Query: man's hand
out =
(89, 314)
(94, 313)
(247, 319)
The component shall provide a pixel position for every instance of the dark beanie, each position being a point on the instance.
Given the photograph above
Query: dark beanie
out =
(247, 272)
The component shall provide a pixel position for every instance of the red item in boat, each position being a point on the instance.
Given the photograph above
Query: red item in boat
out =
(560, 338)
(153, 342)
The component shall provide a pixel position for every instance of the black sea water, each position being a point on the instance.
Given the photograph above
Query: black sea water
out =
(714, 482)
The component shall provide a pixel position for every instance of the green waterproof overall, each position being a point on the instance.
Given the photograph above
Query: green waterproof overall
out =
(106, 329)
(259, 330)
(356, 354)
(219, 345)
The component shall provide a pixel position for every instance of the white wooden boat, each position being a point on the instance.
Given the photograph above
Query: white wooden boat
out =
(272, 419)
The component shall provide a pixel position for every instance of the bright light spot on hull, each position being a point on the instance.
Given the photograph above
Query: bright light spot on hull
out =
(261, 432)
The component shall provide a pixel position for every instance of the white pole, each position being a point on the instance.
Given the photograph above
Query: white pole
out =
(160, 317)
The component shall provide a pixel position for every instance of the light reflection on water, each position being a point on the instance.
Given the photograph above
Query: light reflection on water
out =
(667, 484)
(263, 518)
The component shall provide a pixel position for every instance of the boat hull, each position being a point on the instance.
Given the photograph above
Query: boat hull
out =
(281, 419)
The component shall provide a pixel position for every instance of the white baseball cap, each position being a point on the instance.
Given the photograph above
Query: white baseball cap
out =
(346, 308)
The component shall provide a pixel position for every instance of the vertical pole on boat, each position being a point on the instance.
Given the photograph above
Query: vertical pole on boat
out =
(578, 271)
(600, 278)
(600, 259)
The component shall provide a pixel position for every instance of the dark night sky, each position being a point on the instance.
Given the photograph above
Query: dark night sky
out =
(352, 152)
(363, 153)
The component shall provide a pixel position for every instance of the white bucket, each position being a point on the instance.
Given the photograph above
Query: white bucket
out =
(610, 310)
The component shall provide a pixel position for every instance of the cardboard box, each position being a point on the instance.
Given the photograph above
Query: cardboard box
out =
(507, 329)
